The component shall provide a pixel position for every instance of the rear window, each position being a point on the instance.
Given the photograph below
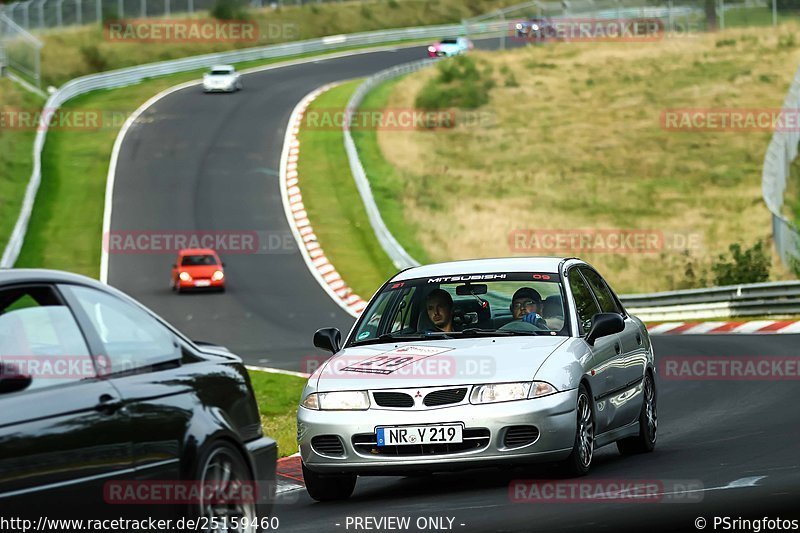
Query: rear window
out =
(198, 260)
(220, 72)
(449, 41)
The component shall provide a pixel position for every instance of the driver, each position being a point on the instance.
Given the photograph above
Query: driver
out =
(439, 305)
(526, 305)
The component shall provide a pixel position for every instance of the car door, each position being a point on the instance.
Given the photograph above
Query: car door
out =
(145, 365)
(606, 353)
(65, 434)
(633, 350)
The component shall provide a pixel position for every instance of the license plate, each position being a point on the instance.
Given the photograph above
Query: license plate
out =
(441, 434)
(202, 283)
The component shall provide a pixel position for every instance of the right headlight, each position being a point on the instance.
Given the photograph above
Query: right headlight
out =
(337, 401)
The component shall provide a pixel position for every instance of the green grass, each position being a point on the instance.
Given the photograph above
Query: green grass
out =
(65, 229)
(333, 203)
(386, 181)
(755, 16)
(16, 161)
(278, 396)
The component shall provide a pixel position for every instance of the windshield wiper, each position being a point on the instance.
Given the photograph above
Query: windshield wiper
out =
(476, 332)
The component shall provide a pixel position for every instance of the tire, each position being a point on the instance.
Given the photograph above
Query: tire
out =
(579, 461)
(326, 488)
(221, 462)
(645, 441)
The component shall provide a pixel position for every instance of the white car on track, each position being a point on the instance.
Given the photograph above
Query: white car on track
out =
(222, 78)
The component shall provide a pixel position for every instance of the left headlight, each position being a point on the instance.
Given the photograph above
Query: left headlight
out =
(218, 275)
(509, 392)
(337, 401)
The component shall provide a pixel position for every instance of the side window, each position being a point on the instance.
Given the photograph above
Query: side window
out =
(132, 338)
(607, 302)
(40, 338)
(584, 302)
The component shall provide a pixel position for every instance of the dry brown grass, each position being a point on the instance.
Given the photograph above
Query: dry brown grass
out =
(579, 145)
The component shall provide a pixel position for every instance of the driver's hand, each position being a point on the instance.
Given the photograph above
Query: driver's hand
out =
(535, 319)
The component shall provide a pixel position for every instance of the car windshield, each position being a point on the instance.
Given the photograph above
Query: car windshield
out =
(220, 72)
(502, 304)
(449, 41)
(198, 260)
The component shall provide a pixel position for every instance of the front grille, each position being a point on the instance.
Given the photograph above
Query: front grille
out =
(444, 397)
(474, 439)
(393, 399)
(328, 445)
(517, 436)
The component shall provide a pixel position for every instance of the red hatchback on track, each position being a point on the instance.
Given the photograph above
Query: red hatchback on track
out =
(197, 268)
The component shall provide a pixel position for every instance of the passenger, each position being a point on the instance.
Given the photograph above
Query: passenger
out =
(526, 305)
(439, 304)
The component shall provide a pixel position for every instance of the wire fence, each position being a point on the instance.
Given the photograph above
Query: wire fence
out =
(19, 49)
(781, 153)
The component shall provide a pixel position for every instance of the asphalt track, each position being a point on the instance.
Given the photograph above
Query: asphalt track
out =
(209, 162)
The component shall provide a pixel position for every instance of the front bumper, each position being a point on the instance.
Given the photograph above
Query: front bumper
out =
(554, 416)
(219, 88)
(186, 285)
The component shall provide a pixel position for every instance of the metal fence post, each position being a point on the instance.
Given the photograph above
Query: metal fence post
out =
(166, 7)
(774, 12)
(143, 9)
(722, 14)
(79, 11)
(59, 13)
(120, 10)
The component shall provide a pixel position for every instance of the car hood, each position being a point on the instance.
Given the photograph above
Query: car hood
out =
(434, 363)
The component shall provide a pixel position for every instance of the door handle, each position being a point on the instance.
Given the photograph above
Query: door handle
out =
(108, 404)
(617, 348)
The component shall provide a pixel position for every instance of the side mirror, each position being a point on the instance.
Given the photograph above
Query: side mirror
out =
(11, 380)
(329, 339)
(604, 324)
(174, 265)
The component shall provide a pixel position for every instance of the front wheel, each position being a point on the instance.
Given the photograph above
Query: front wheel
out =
(580, 460)
(648, 423)
(324, 488)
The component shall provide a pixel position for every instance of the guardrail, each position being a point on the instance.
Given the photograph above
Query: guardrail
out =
(127, 76)
(399, 256)
(757, 299)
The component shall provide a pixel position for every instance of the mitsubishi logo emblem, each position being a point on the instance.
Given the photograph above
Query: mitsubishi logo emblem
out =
(418, 395)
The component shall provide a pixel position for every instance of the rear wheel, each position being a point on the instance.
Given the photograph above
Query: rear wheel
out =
(324, 488)
(580, 460)
(648, 423)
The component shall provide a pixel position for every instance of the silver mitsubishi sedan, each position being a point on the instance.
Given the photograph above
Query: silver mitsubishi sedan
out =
(476, 363)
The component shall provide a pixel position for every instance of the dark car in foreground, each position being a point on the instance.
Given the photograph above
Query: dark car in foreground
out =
(105, 409)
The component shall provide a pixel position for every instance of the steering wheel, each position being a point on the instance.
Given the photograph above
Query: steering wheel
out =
(520, 326)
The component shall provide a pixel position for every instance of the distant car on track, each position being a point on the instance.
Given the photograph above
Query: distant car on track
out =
(222, 78)
(449, 47)
(476, 363)
(535, 29)
(197, 268)
(99, 396)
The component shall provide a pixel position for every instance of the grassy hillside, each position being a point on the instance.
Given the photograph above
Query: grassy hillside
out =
(571, 139)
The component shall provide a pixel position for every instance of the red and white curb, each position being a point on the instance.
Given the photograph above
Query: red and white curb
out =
(318, 264)
(289, 474)
(754, 327)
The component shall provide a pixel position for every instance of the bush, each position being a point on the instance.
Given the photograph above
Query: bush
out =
(743, 266)
(229, 10)
(458, 84)
(94, 58)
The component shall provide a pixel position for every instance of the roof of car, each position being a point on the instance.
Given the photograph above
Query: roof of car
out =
(41, 275)
(197, 251)
(222, 67)
(483, 266)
